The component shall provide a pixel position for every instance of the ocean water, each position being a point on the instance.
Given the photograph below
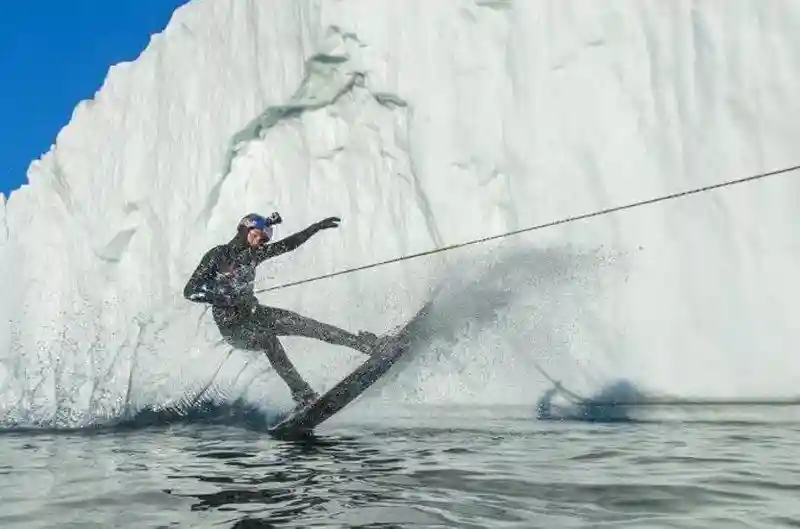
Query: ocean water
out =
(423, 466)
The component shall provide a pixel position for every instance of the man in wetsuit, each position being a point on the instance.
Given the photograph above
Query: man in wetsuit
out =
(225, 278)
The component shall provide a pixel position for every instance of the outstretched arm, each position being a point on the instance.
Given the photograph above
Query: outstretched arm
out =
(199, 288)
(293, 241)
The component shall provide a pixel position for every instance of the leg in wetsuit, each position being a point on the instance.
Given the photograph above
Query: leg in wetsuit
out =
(260, 332)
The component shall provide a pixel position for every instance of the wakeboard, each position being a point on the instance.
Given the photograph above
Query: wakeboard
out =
(387, 354)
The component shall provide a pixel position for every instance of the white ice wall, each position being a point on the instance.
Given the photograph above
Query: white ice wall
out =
(423, 124)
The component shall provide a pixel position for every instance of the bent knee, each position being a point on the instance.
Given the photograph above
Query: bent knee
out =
(243, 338)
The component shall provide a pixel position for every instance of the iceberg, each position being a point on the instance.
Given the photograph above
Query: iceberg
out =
(421, 124)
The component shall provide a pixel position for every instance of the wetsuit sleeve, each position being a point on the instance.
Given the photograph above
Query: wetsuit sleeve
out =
(286, 245)
(198, 288)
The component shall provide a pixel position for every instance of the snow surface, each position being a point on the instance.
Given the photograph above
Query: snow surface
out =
(421, 124)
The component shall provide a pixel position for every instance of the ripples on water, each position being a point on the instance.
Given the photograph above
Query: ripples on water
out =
(489, 468)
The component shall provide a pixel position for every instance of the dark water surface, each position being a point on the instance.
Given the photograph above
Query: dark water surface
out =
(431, 468)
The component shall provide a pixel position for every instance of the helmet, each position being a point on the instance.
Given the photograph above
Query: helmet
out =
(256, 221)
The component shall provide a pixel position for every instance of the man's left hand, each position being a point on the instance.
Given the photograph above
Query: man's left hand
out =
(330, 222)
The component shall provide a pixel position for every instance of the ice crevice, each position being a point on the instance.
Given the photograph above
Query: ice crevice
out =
(329, 75)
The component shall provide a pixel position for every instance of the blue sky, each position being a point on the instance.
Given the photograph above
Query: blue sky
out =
(55, 53)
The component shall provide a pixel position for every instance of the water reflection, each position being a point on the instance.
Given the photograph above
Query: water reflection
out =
(284, 482)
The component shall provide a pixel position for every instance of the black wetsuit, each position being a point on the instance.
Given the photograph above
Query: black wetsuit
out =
(225, 278)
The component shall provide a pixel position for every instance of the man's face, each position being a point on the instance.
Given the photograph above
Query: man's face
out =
(256, 237)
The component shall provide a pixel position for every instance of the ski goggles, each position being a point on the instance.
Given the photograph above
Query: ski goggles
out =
(267, 231)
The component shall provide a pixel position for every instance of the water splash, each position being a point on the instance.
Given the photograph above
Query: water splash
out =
(611, 404)
(208, 411)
